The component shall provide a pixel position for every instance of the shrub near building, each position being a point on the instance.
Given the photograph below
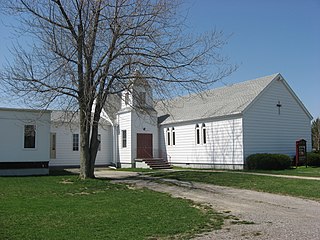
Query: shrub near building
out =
(314, 159)
(267, 161)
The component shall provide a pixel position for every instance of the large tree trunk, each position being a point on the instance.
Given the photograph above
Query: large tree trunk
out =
(94, 145)
(89, 142)
(86, 166)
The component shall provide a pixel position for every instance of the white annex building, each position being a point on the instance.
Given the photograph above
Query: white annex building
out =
(217, 129)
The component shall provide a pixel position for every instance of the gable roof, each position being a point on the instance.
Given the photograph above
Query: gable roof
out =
(71, 117)
(24, 110)
(219, 102)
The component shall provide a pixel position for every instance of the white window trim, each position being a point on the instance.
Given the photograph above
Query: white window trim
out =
(199, 140)
(53, 143)
(127, 99)
(204, 136)
(122, 145)
(36, 136)
(197, 137)
(168, 137)
(142, 99)
(78, 142)
(173, 136)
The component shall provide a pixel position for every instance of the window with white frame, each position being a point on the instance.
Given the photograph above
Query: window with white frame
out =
(75, 142)
(201, 134)
(126, 99)
(142, 98)
(197, 134)
(173, 136)
(124, 138)
(29, 136)
(168, 137)
(53, 145)
(204, 134)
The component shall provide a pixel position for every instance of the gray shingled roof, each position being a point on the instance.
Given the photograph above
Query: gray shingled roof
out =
(64, 116)
(60, 116)
(218, 102)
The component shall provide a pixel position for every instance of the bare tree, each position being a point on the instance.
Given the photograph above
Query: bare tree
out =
(86, 50)
(315, 129)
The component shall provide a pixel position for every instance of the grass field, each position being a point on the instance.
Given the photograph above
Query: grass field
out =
(293, 187)
(300, 171)
(64, 207)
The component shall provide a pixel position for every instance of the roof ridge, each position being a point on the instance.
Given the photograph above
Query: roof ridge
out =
(196, 94)
(222, 87)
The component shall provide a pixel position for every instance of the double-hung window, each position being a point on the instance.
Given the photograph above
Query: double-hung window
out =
(75, 142)
(124, 138)
(168, 137)
(142, 98)
(126, 99)
(197, 134)
(29, 136)
(204, 134)
(173, 136)
(201, 134)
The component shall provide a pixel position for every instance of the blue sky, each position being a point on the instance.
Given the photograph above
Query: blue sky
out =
(268, 36)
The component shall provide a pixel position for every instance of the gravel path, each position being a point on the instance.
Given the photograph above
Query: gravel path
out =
(262, 215)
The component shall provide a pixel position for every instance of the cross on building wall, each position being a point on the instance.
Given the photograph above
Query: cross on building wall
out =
(279, 107)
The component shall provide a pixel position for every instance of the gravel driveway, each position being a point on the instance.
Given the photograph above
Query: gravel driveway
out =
(261, 215)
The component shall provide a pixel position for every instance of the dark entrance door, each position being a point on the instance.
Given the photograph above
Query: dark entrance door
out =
(144, 145)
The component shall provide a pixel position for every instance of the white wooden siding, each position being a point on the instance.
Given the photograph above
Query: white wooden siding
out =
(145, 123)
(135, 123)
(267, 131)
(124, 121)
(65, 156)
(224, 143)
(12, 135)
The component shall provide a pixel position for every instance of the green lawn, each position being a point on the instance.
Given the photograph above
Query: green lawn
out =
(300, 171)
(293, 187)
(64, 207)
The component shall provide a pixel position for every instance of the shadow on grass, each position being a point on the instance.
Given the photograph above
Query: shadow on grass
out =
(60, 172)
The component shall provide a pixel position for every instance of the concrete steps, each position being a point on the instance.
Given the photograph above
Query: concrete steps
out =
(156, 163)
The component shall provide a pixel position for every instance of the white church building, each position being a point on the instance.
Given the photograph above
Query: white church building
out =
(216, 129)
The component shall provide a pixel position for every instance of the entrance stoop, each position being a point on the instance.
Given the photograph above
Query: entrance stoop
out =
(155, 163)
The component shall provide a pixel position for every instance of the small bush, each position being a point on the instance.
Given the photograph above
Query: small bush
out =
(267, 161)
(313, 159)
